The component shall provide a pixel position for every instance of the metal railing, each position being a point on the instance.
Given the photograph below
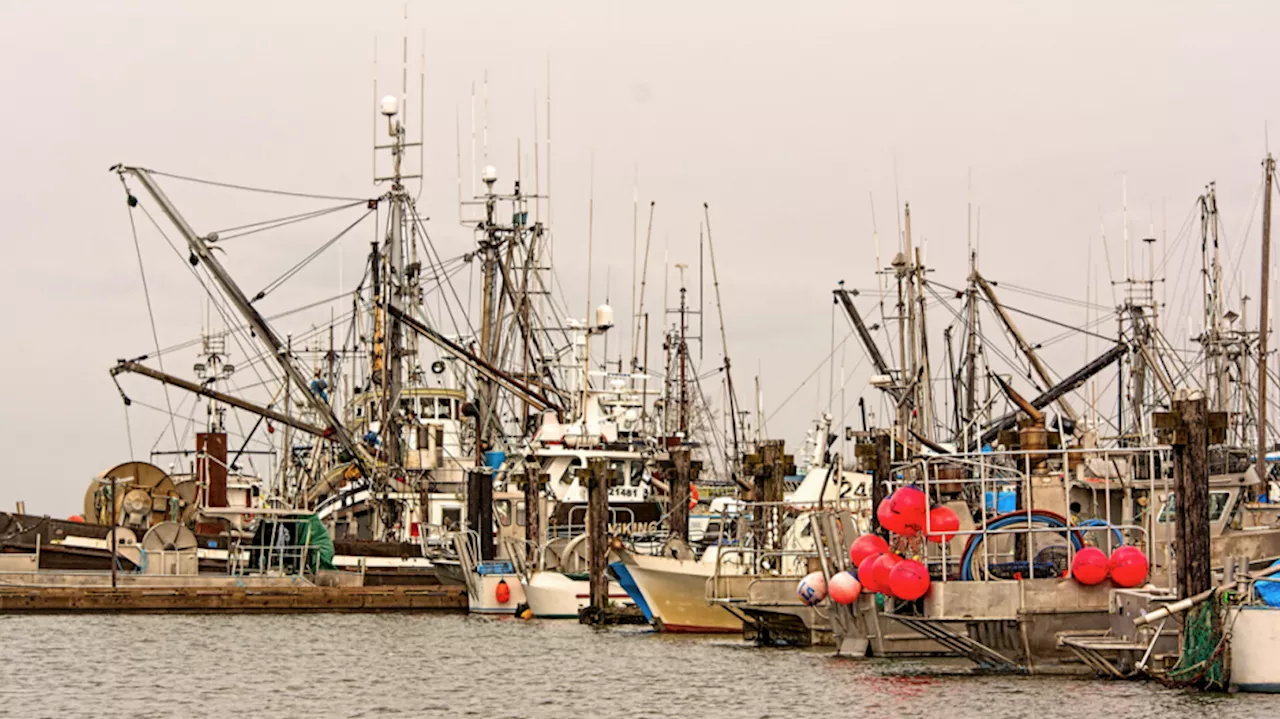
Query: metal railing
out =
(1030, 474)
(279, 556)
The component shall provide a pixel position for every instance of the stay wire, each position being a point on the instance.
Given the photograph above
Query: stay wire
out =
(433, 256)
(132, 202)
(128, 431)
(279, 315)
(289, 274)
(265, 225)
(264, 190)
(1027, 313)
(215, 297)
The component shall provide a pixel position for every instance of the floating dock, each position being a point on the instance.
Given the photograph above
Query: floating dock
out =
(230, 599)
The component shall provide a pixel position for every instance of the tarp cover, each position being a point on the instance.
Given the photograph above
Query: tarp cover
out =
(1270, 591)
(320, 539)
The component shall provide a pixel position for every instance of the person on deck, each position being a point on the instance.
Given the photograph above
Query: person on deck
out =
(319, 387)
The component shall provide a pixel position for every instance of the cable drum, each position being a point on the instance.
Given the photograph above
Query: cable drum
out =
(1049, 560)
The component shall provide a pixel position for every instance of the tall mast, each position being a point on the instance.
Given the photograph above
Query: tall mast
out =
(971, 344)
(908, 254)
(925, 415)
(724, 344)
(1263, 312)
(1215, 374)
(393, 283)
(900, 268)
(489, 244)
(682, 356)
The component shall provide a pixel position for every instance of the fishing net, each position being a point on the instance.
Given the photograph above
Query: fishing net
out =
(1203, 662)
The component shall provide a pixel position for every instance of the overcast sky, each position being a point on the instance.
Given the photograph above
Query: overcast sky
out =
(787, 118)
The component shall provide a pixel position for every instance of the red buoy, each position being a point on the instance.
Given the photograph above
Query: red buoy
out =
(868, 545)
(502, 592)
(910, 504)
(844, 588)
(1128, 567)
(882, 571)
(1089, 566)
(886, 517)
(943, 523)
(80, 520)
(867, 573)
(909, 580)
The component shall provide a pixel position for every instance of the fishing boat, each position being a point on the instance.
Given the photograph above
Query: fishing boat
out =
(779, 542)
(1005, 588)
(671, 591)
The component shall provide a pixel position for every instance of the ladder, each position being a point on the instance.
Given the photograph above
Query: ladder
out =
(962, 644)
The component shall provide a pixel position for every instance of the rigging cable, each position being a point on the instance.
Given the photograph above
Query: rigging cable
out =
(264, 190)
(1030, 314)
(433, 257)
(132, 202)
(292, 271)
(128, 429)
(265, 225)
(217, 300)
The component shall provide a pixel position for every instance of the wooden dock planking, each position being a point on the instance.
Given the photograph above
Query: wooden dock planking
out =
(236, 600)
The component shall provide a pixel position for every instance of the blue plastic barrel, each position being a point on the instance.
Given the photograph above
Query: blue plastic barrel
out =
(1002, 501)
(494, 460)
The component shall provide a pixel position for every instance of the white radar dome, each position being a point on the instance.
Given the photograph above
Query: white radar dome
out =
(604, 316)
(390, 105)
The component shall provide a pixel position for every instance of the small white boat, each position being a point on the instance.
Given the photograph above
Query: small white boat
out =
(673, 593)
(493, 585)
(495, 589)
(557, 595)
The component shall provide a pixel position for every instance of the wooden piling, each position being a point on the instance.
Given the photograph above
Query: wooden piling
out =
(682, 462)
(1191, 489)
(1187, 429)
(480, 508)
(533, 483)
(881, 477)
(597, 531)
(770, 487)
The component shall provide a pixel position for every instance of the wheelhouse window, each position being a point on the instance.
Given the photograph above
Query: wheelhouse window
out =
(1218, 503)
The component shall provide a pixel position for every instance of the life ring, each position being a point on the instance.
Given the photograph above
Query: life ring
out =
(693, 496)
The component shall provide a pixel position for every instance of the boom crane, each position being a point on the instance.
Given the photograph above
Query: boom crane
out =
(200, 251)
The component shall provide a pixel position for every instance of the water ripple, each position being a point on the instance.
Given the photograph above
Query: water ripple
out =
(407, 665)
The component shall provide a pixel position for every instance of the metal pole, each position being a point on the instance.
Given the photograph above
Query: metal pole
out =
(1269, 169)
(114, 522)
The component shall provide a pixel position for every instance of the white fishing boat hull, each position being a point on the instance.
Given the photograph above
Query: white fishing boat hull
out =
(1255, 649)
(485, 598)
(552, 595)
(675, 593)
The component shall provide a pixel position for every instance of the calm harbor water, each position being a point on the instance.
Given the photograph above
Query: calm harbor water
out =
(346, 665)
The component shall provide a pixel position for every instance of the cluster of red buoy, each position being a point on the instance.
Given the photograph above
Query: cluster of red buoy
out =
(878, 569)
(1127, 566)
(905, 511)
(883, 571)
